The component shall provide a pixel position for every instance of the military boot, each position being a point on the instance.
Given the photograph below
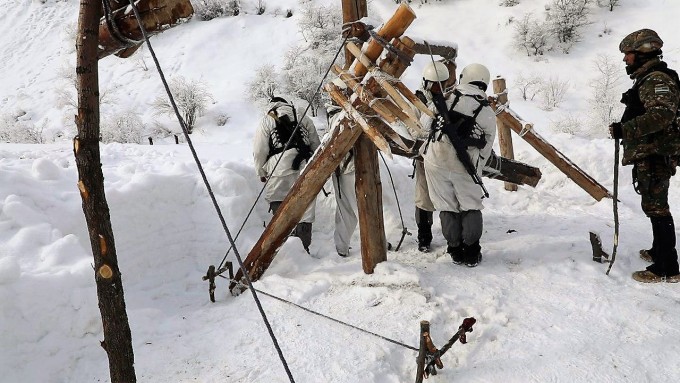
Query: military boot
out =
(665, 266)
(472, 254)
(303, 230)
(456, 253)
(424, 222)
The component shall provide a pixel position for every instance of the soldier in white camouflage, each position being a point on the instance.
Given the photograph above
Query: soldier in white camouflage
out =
(651, 143)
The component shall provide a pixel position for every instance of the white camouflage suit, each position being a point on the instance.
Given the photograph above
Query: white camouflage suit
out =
(451, 188)
(345, 197)
(284, 176)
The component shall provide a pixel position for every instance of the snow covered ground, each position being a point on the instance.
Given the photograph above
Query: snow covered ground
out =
(545, 311)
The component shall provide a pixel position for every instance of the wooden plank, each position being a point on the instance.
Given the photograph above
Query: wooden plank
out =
(548, 151)
(394, 27)
(504, 136)
(303, 192)
(369, 204)
(157, 16)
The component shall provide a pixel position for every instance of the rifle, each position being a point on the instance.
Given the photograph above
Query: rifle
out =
(458, 142)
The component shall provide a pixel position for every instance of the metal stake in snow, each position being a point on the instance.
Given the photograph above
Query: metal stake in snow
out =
(429, 357)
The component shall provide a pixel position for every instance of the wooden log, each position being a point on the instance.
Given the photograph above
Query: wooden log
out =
(396, 97)
(511, 171)
(372, 133)
(406, 92)
(369, 203)
(388, 111)
(504, 136)
(303, 192)
(157, 16)
(420, 360)
(448, 52)
(352, 10)
(396, 64)
(553, 155)
(394, 27)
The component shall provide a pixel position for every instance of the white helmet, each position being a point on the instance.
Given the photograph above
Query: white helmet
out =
(475, 73)
(435, 71)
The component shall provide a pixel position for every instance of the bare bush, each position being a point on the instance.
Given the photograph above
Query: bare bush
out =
(508, 3)
(14, 128)
(567, 18)
(264, 85)
(212, 9)
(608, 4)
(569, 123)
(529, 85)
(532, 35)
(553, 92)
(222, 119)
(67, 93)
(191, 97)
(126, 127)
(321, 25)
(606, 90)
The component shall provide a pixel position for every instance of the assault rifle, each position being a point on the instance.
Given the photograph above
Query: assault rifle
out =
(459, 143)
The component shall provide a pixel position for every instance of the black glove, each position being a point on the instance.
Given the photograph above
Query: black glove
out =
(616, 130)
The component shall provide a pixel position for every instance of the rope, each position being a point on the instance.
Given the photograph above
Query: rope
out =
(406, 59)
(210, 192)
(220, 268)
(404, 230)
(335, 320)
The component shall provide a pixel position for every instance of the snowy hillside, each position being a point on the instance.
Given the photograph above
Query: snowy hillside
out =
(545, 311)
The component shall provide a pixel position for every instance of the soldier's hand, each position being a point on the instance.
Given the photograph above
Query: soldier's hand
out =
(615, 130)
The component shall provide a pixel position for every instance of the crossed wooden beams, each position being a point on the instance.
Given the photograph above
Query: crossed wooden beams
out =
(380, 114)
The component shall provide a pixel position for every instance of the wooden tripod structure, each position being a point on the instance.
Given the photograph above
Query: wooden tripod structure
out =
(380, 114)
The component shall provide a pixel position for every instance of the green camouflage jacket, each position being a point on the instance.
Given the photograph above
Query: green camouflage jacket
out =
(651, 106)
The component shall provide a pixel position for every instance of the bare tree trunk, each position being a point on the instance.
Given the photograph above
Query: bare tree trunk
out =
(117, 337)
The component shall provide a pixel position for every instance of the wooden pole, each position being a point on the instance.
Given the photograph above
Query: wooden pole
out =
(504, 136)
(125, 36)
(420, 360)
(369, 203)
(394, 27)
(117, 336)
(553, 155)
(352, 10)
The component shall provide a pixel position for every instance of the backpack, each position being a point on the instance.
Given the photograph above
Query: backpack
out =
(465, 126)
(284, 129)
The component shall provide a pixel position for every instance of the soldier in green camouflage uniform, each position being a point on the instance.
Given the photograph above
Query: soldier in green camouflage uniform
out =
(651, 145)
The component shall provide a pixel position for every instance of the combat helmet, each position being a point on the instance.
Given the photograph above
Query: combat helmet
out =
(642, 41)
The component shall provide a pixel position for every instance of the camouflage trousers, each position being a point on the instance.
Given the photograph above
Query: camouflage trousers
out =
(651, 179)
